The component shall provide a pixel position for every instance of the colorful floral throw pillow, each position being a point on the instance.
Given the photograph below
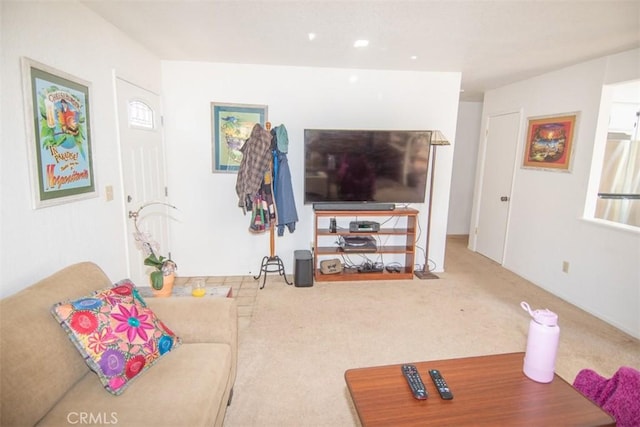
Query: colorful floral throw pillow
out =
(117, 334)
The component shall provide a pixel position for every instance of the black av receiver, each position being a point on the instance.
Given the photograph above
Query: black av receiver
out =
(364, 227)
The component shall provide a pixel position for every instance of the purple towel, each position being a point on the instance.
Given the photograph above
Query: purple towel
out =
(619, 396)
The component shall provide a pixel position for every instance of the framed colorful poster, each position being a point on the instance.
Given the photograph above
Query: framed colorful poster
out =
(232, 125)
(549, 143)
(58, 135)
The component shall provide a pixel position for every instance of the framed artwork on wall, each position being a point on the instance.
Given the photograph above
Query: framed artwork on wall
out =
(57, 108)
(549, 143)
(231, 127)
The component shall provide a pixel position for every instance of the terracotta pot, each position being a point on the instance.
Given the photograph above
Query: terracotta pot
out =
(167, 286)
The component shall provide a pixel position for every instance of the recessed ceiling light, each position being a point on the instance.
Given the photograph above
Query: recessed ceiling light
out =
(353, 78)
(312, 36)
(361, 43)
(414, 57)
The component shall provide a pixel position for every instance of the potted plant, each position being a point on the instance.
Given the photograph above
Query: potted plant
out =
(164, 275)
(165, 270)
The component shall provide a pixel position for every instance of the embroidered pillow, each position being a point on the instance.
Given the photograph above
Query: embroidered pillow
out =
(116, 333)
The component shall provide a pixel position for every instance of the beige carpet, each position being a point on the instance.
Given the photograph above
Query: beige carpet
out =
(299, 341)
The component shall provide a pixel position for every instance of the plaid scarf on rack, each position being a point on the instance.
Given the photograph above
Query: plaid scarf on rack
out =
(255, 162)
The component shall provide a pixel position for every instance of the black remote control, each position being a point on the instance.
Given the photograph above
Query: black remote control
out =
(440, 384)
(414, 380)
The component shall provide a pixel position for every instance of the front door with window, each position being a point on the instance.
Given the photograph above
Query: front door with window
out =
(143, 170)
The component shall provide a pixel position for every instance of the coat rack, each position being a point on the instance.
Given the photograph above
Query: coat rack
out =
(271, 263)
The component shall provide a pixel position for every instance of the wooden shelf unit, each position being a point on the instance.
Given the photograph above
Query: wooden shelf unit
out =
(405, 243)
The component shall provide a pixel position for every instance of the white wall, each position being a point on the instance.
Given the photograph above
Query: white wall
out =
(464, 167)
(546, 224)
(211, 234)
(68, 37)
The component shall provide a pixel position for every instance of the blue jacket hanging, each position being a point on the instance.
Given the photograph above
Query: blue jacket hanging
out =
(283, 190)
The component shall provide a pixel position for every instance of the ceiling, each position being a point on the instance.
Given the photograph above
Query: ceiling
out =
(492, 43)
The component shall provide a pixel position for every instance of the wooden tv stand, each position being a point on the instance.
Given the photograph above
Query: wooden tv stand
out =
(402, 238)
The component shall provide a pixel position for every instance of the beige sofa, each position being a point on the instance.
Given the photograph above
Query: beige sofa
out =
(45, 381)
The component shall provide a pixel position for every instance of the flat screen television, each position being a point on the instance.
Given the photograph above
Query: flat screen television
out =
(365, 166)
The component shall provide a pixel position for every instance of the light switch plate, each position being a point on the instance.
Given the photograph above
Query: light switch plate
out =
(109, 193)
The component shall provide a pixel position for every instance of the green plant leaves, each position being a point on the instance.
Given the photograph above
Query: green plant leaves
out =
(157, 280)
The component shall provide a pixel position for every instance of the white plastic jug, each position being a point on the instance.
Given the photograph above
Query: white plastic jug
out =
(542, 344)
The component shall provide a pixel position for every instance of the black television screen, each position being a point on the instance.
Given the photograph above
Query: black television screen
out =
(381, 166)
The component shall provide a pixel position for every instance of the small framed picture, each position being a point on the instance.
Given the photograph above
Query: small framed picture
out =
(549, 143)
(58, 135)
(231, 127)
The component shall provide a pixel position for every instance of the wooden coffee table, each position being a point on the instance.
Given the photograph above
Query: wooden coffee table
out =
(487, 390)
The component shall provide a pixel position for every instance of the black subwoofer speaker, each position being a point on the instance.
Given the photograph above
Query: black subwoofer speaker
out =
(303, 268)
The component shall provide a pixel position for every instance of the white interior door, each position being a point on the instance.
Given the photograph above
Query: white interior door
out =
(500, 152)
(143, 170)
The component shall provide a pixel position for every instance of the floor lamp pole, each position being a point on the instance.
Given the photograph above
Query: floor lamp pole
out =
(425, 273)
(437, 138)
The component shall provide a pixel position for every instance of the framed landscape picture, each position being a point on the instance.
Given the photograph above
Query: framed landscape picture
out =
(58, 135)
(231, 127)
(549, 143)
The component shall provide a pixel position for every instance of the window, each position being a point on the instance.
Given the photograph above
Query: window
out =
(140, 115)
(619, 190)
